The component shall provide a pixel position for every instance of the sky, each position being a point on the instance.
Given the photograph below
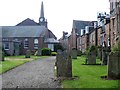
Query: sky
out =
(59, 13)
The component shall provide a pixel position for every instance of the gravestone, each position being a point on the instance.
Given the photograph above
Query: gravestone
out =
(39, 52)
(114, 65)
(28, 53)
(100, 52)
(63, 64)
(74, 53)
(3, 55)
(104, 56)
(91, 58)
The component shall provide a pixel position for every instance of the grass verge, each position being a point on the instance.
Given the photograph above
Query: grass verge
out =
(89, 76)
(14, 61)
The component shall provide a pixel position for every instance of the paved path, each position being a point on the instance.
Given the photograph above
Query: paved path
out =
(34, 74)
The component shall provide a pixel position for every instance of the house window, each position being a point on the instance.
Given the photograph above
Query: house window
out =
(6, 46)
(51, 46)
(26, 43)
(35, 43)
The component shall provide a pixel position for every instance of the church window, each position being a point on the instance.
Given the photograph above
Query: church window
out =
(35, 43)
(26, 43)
(6, 46)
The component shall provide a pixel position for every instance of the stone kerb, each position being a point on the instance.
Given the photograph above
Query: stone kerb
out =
(74, 53)
(114, 65)
(64, 64)
(91, 58)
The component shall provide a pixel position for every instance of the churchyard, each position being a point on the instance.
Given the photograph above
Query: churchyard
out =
(91, 70)
(89, 76)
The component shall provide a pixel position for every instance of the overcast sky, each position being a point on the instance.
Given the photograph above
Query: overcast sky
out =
(59, 13)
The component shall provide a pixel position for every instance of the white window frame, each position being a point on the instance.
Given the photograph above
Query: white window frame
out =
(8, 47)
(36, 42)
(26, 43)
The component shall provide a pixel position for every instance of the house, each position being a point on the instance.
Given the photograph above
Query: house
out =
(28, 35)
(115, 21)
(78, 27)
(103, 29)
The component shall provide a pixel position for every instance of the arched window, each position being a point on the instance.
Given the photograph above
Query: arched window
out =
(6, 45)
(26, 43)
(35, 43)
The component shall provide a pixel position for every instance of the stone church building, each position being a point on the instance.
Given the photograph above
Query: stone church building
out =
(28, 35)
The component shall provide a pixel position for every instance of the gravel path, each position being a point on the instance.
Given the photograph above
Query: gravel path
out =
(34, 74)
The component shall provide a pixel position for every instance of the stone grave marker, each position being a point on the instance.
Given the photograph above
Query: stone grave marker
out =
(114, 65)
(100, 53)
(104, 56)
(39, 53)
(28, 54)
(3, 55)
(74, 53)
(91, 58)
(63, 64)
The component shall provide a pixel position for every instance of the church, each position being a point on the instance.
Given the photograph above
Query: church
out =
(28, 35)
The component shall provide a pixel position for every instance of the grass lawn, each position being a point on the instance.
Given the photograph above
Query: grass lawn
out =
(14, 61)
(89, 76)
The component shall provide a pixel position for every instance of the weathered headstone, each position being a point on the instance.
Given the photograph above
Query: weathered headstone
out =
(28, 54)
(100, 52)
(74, 53)
(64, 64)
(114, 65)
(104, 57)
(39, 52)
(3, 56)
(91, 58)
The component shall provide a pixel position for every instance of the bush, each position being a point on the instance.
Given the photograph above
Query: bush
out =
(46, 52)
(92, 49)
(116, 47)
(54, 53)
(79, 53)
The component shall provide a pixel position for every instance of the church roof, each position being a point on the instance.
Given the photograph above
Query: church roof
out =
(28, 22)
(23, 31)
(79, 24)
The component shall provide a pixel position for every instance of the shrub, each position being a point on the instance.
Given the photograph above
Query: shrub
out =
(92, 49)
(79, 52)
(46, 52)
(116, 47)
(54, 53)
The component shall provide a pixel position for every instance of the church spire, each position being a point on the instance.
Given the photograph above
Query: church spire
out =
(42, 10)
(42, 20)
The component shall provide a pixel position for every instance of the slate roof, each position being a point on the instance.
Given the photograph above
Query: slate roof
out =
(23, 31)
(28, 22)
(79, 24)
